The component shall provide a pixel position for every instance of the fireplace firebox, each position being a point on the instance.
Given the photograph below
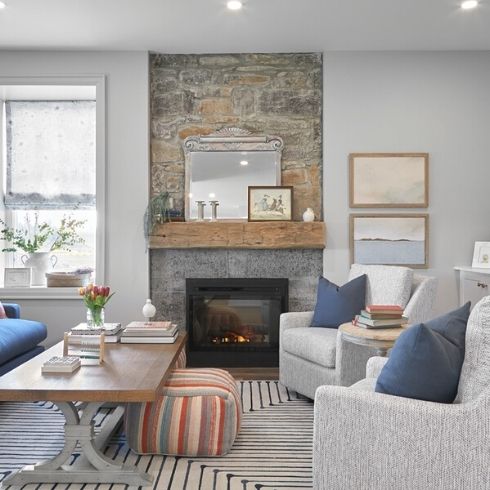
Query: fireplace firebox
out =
(234, 322)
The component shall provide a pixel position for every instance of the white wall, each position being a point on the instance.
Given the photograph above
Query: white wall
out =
(127, 120)
(435, 102)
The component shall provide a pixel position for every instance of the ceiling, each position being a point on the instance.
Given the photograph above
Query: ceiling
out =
(199, 26)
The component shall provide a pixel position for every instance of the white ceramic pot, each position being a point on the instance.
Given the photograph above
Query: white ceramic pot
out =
(40, 263)
(309, 215)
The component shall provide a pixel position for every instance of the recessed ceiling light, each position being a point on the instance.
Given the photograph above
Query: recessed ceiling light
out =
(234, 4)
(2, 5)
(469, 4)
(244, 162)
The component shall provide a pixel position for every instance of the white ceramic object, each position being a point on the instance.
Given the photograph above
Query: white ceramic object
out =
(149, 310)
(309, 215)
(40, 263)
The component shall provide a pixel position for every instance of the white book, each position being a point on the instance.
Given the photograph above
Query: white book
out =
(108, 338)
(148, 340)
(65, 364)
(109, 329)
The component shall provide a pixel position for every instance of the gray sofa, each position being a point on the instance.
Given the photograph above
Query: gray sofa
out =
(367, 440)
(311, 357)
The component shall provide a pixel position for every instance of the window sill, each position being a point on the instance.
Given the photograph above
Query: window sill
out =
(38, 292)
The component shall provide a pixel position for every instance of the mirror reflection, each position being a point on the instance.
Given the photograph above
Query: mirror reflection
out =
(225, 176)
(220, 167)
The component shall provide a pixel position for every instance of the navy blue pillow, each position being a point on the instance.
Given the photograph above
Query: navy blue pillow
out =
(336, 305)
(425, 362)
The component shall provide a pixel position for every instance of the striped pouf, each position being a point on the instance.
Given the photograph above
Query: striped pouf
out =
(198, 414)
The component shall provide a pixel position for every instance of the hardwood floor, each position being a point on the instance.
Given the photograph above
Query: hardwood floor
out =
(254, 373)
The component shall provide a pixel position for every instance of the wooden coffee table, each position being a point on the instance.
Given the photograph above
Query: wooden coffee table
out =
(382, 339)
(129, 373)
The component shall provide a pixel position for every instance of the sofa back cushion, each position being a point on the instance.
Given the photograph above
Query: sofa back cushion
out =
(386, 285)
(475, 374)
(3, 315)
(425, 362)
(336, 305)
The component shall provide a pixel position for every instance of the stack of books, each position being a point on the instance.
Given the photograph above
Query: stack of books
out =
(150, 333)
(112, 332)
(381, 316)
(65, 364)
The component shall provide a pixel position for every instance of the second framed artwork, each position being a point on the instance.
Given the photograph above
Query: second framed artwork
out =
(390, 239)
(270, 203)
(389, 180)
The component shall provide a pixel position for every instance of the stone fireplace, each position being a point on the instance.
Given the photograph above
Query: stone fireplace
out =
(278, 94)
(172, 268)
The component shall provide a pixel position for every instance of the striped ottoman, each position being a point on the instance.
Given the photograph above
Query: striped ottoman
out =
(198, 414)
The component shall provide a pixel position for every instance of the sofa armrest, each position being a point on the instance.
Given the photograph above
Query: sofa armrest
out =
(295, 319)
(12, 310)
(384, 441)
(374, 366)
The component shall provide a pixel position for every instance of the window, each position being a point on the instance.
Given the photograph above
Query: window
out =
(49, 172)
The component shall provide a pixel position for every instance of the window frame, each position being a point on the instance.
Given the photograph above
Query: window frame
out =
(99, 82)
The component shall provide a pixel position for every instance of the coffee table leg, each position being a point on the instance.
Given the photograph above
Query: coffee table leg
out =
(92, 466)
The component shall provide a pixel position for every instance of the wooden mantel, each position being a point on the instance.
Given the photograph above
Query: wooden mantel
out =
(239, 234)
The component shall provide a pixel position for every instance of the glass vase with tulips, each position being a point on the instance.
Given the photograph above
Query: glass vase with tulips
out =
(95, 299)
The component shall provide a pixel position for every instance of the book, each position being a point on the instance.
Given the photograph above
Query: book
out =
(108, 339)
(108, 329)
(153, 329)
(361, 321)
(65, 364)
(166, 326)
(148, 340)
(384, 309)
(381, 316)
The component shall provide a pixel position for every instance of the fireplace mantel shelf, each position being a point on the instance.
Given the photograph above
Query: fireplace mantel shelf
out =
(239, 234)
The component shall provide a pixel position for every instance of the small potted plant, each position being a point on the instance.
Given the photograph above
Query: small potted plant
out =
(38, 240)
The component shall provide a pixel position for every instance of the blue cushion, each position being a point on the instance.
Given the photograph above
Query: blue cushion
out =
(19, 336)
(12, 310)
(425, 362)
(336, 305)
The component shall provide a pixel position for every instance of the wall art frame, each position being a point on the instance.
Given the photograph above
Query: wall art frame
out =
(389, 180)
(481, 255)
(400, 239)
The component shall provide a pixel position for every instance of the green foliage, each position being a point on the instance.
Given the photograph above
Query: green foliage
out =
(157, 211)
(41, 236)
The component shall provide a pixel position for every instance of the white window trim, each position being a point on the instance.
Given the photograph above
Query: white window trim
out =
(99, 82)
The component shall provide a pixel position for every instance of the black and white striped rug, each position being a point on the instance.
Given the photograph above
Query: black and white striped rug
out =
(272, 451)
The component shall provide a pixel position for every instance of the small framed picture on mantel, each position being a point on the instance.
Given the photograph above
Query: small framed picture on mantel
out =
(270, 203)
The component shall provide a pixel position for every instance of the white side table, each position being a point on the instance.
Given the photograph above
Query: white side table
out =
(474, 284)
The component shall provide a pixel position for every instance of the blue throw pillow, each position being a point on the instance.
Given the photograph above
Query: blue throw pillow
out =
(336, 305)
(425, 362)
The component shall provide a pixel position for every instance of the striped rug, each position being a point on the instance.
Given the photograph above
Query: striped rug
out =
(272, 451)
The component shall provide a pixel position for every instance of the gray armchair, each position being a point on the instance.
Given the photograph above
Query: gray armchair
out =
(311, 357)
(364, 439)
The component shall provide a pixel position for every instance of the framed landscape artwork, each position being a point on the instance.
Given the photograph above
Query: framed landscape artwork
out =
(270, 203)
(389, 180)
(390, 239)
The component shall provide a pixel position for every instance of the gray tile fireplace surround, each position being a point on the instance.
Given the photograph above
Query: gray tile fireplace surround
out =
(170, 268)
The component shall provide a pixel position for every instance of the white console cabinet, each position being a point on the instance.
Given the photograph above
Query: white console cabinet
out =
(474, 284)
